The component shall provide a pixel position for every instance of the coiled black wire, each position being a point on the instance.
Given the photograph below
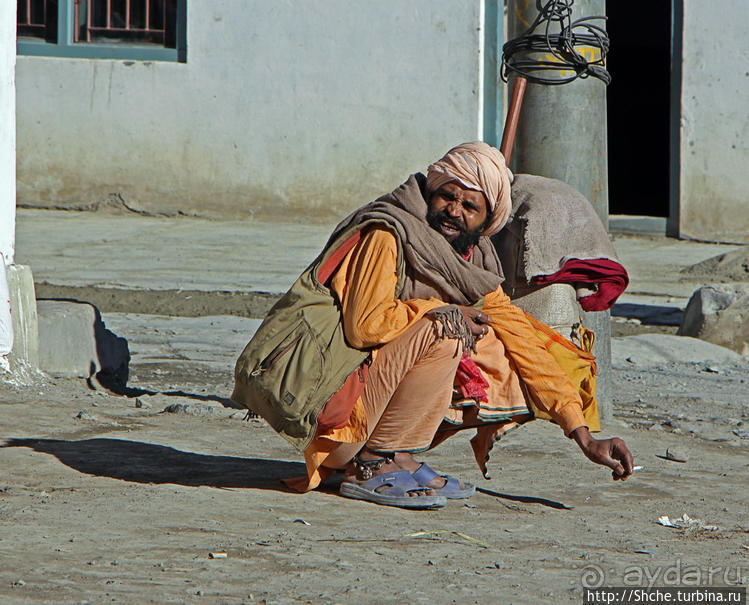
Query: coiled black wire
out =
(561, 46)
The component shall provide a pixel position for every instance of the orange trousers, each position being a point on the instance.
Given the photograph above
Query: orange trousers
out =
(408, 393)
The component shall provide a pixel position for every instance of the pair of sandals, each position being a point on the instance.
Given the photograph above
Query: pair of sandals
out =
(398, 484)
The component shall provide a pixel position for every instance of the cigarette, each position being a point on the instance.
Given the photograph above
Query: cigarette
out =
(217, 555)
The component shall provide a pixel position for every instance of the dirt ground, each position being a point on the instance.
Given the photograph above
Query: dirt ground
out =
(103, 501)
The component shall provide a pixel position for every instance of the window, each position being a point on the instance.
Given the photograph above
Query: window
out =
(103, 29)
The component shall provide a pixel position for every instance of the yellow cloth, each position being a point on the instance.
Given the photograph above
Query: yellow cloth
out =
(579, 366)
(550, 389)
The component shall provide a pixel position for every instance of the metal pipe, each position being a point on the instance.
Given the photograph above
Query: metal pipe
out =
(513, 115)
(563, 136)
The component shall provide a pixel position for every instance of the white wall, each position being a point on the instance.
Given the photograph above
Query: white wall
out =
(284, 109)
(714, 146)
(7, 130)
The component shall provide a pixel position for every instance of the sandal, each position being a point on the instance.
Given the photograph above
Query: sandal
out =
(397, 486)
(451, 490)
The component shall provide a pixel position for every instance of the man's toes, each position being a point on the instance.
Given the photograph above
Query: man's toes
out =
(437, 483)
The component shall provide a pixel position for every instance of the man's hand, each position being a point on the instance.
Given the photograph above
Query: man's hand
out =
(476, 320)
(608, 452)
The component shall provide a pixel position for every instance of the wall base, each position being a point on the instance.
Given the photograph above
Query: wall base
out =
(23, 313)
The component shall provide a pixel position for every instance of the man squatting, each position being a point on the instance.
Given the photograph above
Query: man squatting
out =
(357, 364)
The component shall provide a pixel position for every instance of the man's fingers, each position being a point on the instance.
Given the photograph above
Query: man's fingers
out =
(612, 453)
(626, 459)
(476, 321)
(617, 470)
(621, 453)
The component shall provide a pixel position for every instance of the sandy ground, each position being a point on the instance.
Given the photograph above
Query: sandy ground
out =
(104, 501)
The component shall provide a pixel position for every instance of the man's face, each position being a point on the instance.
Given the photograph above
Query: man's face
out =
(459, 214)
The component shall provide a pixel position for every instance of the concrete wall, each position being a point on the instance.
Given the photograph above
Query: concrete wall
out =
(714, 129)
(283, 109)
(7, 131)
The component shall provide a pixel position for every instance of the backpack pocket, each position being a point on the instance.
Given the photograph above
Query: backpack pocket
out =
(290, 373)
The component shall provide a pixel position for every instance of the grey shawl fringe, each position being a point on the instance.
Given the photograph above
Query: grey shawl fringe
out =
(453, 324)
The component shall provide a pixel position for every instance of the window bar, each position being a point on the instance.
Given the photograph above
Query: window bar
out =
(89, 12)
(108, 26)
(29, 15)
(76, 20)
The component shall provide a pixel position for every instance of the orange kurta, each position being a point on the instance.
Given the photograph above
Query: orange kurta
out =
(365, 285)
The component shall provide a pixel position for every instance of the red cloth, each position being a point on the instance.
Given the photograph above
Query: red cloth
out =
(471, 381)
(610, 276)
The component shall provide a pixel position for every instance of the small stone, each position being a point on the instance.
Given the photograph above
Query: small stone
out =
(140, 402)
(191, 409)
(86, 415)
(19, 583)
(115, 562)
(92, 563)
(675, 455)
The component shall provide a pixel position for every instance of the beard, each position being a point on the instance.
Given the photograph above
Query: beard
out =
(465, 239)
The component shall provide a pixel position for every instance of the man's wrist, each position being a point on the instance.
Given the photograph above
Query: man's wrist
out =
(582, 436)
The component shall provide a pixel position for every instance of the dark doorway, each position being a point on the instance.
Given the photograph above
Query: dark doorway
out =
(638, 101)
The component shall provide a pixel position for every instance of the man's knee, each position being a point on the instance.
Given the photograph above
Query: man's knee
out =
(439, 345)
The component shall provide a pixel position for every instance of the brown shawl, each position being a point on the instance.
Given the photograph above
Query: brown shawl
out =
(433, 267)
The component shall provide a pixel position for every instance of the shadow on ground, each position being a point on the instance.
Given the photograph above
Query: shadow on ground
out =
(525, 499)
(149, 463)
(657, 315)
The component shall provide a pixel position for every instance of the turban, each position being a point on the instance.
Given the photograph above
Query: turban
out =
(480, 167)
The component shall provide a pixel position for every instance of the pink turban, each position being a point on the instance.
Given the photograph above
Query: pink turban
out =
(480, 167)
